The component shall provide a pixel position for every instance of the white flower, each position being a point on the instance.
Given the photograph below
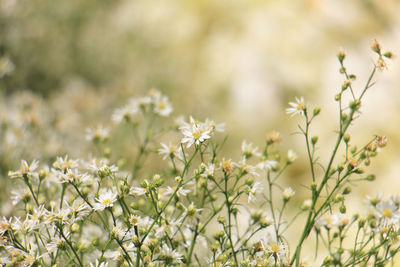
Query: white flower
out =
(168, 151)
(98, 264)
(98, 134)
(246, 168)
(162, 106)
(125, 113)
(388, 211)
(255, 189)
(267, 165)
(170, 256)
(25, 170)
(288, 193)
(248, 150)
(138, 190)
(208, 171)
(63, 164)
(195, 133)
(291, 156)
(297, 107)
(278, 251)
(106, 199)
(102, 167)
(180, 192)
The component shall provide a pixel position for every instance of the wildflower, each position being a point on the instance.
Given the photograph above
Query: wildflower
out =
(278, 251)
(195, 133)
(138, 190)
(180, 192)
(267, 165)
(63, 164)
(106, 199)
(273, 137)
(102, 167)
(254, 190)
(208, 171)
(98, 264)
(291, 156)
(249, 150)
(162, 106)
(297, 107)
(125, 113)
(288, 193)
(98, 134)
(388, 211)
(170, 256)
(26, 170)
(246, 168)
(220, 127)
(168, 151)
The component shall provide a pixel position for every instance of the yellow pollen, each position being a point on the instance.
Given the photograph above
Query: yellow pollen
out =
(106, 202)
(161, 105)
(387, 213)
(300, 106)
(275, 249)
(196, 135)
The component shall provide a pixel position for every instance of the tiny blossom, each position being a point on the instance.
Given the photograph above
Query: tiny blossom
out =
(63, 164)
(98, 134)
(180, 192)
(162, 106)
(195, 133)
(291, 156)
(297, 107)
(102, 167)
(137, 191)
(208, 170)
(106, 199)
(218, 127)
(388, 211)
(25, 170)
(170, 256)
(126, 113)
(288, 193)
(168, 151)
(98, 264)
(248, 150)
(246, 168)
(267, 165)
(278, 251)
(254, 190)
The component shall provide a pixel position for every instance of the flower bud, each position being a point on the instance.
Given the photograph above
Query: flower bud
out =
(316, 111)
(314, 139)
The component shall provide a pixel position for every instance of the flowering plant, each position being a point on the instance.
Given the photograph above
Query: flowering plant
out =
(204, 209)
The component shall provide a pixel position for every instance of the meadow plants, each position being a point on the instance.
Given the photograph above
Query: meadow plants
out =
(203, 208)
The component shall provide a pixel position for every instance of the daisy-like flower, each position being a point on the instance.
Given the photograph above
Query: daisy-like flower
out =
(25, 170)
(125, 113)
(388, 211)
(106, 199)
(288, 193)
(211, 124)
(248, 150)
(102, 167)
(168, 151)
(138, 190)
(98, 134)
(208, 171)
(195, 133)
(180, 192)
(246, 168)
(162, 106)
(291, 156)
(254, 190)
(278, 251)
(297, 107)
(170, 256)
(267, 165)
(98, 264)
(63, 164)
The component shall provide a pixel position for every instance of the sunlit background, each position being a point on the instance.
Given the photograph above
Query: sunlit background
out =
(66, 65)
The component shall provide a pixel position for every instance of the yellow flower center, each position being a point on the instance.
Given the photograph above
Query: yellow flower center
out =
(106, 202)
(275, 249)
(196, 135)
(161, 105)
(387, 213)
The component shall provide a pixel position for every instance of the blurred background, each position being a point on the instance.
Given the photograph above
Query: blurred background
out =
(67, 65)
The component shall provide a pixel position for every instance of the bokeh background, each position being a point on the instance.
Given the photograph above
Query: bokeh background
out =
(66, 65)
